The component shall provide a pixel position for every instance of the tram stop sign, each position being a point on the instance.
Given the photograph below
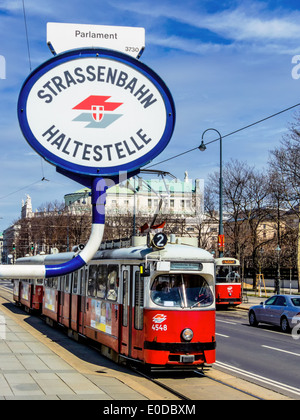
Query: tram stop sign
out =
(96, 112)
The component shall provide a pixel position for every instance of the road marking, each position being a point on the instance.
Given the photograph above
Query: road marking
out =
(251, 375)
(284, 351)
(223, 335)
(226, 322)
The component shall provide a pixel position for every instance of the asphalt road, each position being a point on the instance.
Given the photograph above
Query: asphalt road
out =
(262, 355)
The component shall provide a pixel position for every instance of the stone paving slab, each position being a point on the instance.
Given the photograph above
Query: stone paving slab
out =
(29, 369)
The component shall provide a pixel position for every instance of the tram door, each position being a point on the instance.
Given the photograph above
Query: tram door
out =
(82, 299)
(127, 307)
(64, 312)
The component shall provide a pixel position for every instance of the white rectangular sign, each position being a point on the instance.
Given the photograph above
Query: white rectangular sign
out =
(68, 36)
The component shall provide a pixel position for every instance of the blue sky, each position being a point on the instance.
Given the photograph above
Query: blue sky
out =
(226, 63)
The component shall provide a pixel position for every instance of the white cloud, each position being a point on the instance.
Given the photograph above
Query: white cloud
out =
(225, 69)
(250, 23)
(238, 24)
(183, 44)
(32, 7)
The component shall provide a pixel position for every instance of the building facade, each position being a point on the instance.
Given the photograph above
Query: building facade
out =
(128, 206)
(144, 197)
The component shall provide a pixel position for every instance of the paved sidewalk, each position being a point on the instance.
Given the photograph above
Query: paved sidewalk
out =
(249, 301)
(29, 369)
(38, 362)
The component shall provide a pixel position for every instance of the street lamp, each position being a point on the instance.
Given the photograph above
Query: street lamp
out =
(202, 147)
(277, 281)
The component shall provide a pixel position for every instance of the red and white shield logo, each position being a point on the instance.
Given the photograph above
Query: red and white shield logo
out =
(159, 318)
(229, 290)
(97, 112)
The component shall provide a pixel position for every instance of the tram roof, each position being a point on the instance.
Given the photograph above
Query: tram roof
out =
(171, 252)
(46, 258)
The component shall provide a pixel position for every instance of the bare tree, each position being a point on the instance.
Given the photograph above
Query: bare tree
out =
(285, 161)
(245, 206)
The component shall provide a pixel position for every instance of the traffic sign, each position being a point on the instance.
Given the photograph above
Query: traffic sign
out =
(159, 240)
(63, 37)
(96, 112)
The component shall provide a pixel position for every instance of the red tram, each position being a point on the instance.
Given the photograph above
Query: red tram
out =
(29, 293)
(155, 306)
(228, 282)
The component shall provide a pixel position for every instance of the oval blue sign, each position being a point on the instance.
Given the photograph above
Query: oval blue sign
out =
(96, 112)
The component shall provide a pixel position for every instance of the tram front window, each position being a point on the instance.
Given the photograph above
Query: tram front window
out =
(227, 275)
(182, 290)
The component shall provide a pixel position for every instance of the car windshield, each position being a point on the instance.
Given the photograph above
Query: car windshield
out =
(295, 301)
(183, 290)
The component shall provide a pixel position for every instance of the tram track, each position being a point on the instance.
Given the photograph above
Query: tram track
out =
(161, 385)
(197, 385)
(231, 386)
(7, 290)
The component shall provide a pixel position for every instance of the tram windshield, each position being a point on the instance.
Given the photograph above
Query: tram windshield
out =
(227, 274)
(183, 290)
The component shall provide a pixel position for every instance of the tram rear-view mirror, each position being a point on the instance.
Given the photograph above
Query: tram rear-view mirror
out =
(144, 271)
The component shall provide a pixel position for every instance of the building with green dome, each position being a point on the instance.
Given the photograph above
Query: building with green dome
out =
(145, 196)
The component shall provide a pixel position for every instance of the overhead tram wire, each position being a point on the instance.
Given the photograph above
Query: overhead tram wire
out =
(30, 68)
(226, 135)
(26, 33)
(23, 188)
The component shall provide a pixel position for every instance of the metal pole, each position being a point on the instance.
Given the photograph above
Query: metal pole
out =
(202, 147)
(277, 282)
(134, 207)
(42, 271)
(221, 231)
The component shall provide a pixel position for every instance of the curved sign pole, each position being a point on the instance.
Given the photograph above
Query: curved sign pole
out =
(93, 113)
(44, 271)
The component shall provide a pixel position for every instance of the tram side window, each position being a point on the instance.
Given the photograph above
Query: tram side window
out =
(125, 299)
(52, 282)
(101, 281)
(138, 301)
(68, 283)
(62, 282)
(75, 281)
(112, 282)
(92, 278)
(82, 283)
(55, 282)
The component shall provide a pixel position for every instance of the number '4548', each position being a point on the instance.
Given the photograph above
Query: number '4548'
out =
(159, 327)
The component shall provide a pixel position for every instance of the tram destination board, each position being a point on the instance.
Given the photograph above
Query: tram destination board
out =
(186, 266)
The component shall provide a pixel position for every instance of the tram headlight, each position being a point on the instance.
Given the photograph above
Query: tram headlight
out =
(187, 334)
